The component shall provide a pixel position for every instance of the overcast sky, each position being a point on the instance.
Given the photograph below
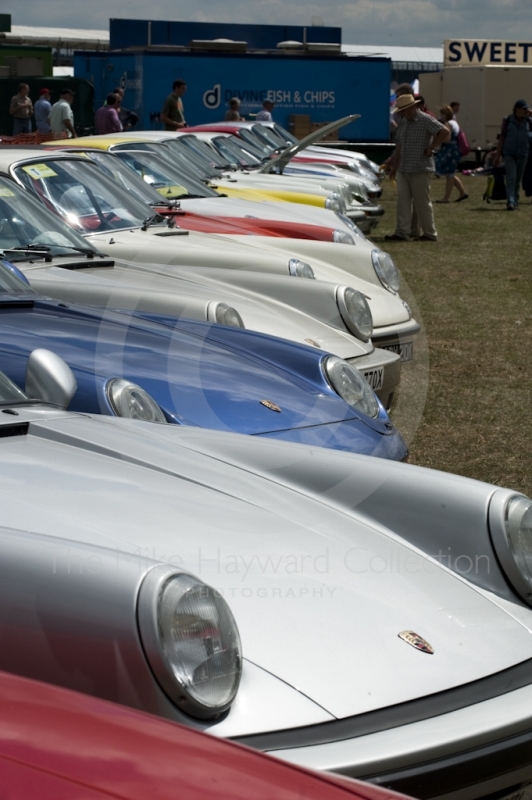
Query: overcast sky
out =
(422, 23)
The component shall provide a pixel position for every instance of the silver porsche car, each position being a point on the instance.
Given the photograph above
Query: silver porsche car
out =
(360, 616)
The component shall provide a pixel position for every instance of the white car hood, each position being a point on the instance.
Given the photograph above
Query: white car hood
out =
(320, 592)
(160, 253)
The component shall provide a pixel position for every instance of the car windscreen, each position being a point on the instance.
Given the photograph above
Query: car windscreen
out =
(229, 147)
(123, 175)
(269, 136)
(82, 195)
(247, 136)
(25, 225)
(12, 280)
(9, 393)
(190, 159)
(168, 182)
(288, 137)
(204, 150)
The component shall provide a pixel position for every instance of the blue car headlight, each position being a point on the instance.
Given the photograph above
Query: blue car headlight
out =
(131, 401)
(351, 386)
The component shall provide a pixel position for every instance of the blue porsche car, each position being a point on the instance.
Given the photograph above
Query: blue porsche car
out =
(167, 370)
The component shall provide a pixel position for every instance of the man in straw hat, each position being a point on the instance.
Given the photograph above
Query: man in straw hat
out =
(412, 166)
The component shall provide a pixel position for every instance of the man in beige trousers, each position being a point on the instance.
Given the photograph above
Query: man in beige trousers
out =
(412, 166)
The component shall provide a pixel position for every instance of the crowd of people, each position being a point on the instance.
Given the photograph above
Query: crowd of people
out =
(426, 146)
(57, 118)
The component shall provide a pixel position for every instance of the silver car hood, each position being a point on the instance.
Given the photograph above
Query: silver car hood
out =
(271, 304)
(320, 589)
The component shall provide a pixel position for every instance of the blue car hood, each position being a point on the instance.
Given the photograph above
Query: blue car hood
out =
(203, 375)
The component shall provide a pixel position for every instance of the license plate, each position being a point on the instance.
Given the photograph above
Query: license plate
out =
(375, 377)
(405, 350)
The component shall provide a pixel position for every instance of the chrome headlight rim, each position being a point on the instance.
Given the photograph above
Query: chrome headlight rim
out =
(506, 508)
(336, 203)
(221, 313)
(386, 270)
(150, 597)
(300, 269)
(367, 404)
(117, 390)
(360, 324)
(342, 237)
(351, 225)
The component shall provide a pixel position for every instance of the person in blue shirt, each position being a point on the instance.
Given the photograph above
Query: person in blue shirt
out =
(42, 110)
(513, 145)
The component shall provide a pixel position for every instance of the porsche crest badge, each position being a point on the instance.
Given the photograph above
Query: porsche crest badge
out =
(412, 638)
(270, 405)
(312, 342)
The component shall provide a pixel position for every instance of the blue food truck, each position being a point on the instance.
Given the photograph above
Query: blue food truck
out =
(301, 70)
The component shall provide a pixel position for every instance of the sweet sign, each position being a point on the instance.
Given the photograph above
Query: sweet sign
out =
(477, 52)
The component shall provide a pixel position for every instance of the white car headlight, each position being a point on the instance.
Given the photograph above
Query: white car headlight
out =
(129, 400)
(350, 224)
(223, 314)
(511, 533)
(386, 270)
(355, 312)
(351, 385)
(300, 269)
(342, 237)
(192, 642)
(335, 203)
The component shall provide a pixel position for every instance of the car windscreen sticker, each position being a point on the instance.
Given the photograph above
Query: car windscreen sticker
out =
(172, 191)
(39, 171)
(5, 192)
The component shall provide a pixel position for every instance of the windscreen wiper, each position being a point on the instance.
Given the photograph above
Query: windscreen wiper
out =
(154, 220)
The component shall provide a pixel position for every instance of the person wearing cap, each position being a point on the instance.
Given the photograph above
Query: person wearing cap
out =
(266, 114)
(513, 145)
(61, 115)
(42, 110)
(412, 166)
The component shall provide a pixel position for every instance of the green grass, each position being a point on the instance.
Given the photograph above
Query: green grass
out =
(465, 406)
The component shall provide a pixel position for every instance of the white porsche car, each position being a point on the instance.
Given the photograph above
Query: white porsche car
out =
(361, 616)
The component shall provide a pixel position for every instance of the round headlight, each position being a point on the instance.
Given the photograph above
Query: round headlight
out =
(355, 312)
(350, 224)
(192, 642)
(342, 237)
(129, 400)
(351, 386)
(386, 270)
(513, 541)
(223, 314)
(300, 269)
(335, 203)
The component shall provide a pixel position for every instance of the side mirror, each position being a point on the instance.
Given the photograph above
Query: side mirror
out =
(49, 379)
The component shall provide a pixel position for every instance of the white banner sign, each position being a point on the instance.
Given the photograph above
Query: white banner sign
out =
(475, 52)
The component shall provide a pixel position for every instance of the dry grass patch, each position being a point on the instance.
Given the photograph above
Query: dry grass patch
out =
(473, 292)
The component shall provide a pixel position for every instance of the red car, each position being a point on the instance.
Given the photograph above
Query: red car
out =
(60, 745)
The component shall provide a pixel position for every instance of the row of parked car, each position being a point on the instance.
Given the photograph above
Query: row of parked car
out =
(204, 510)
